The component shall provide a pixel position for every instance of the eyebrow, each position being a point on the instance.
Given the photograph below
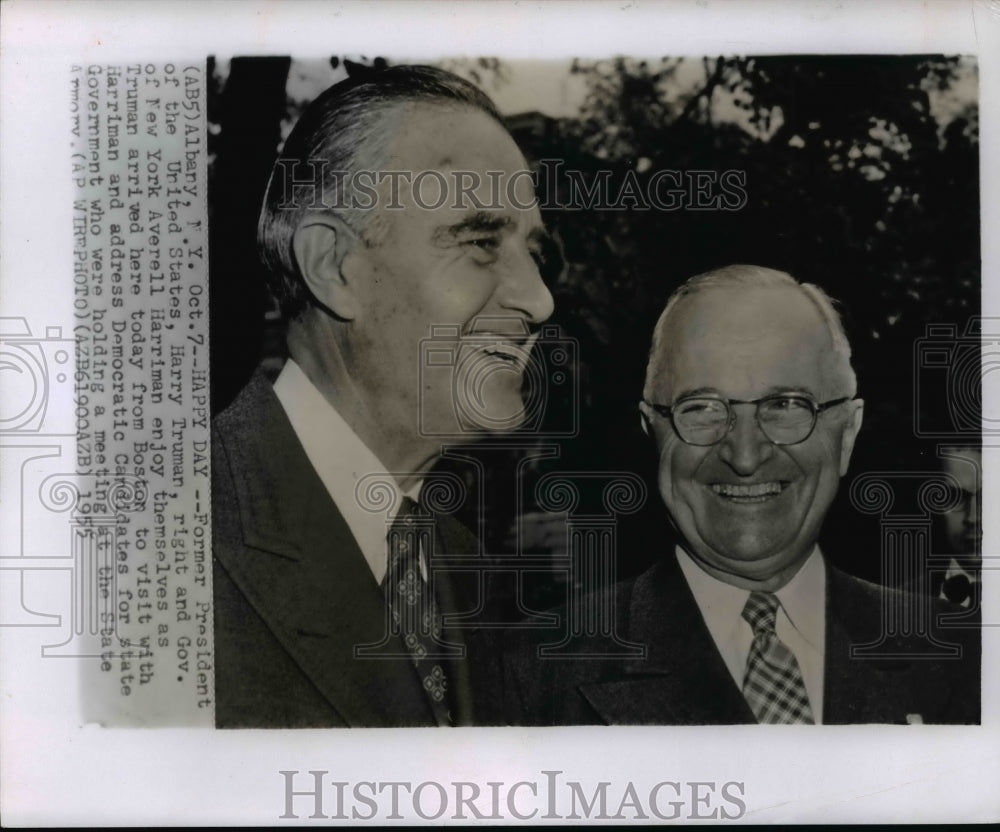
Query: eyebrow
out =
(773, 390)
(698, 391)
(485, 222)
(478, 222)
(540, 234)
(790, 389)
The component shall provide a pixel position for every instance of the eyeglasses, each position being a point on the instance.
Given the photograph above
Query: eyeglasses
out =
(784, 418)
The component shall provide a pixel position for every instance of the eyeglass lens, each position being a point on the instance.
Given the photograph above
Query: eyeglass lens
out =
(783, 419)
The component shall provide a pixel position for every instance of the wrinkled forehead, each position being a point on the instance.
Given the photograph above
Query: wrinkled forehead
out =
(435, 133)
(746, 343)
(462, 150)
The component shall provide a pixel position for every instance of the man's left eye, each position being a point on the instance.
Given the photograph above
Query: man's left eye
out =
(490, 244)
(787, 405)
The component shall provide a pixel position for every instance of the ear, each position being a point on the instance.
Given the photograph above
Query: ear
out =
(646, 419)
(320, 244)
(851, 428)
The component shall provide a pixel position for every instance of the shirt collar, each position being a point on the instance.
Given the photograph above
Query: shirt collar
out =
(722, 604)
(340, 459)
(804, 596)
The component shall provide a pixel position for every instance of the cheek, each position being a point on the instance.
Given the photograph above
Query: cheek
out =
(822, 480)
(415, 302)
(460, 294)
(828, 460)
(384, 293)
(678, 464)
(836, 448)
(454, 302)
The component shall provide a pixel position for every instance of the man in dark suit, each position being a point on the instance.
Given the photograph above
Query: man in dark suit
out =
(400, 209)
(751, 401)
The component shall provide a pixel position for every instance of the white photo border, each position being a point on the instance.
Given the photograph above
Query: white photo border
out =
(58, 772)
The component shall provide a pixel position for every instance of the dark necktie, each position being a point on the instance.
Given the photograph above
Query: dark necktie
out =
(773, 684)
(414, 613)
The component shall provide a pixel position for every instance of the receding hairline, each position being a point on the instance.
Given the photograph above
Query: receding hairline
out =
(373, 224)
(746, 279)
(348, 125)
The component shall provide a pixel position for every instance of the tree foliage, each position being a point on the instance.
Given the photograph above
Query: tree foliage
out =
(854, 181)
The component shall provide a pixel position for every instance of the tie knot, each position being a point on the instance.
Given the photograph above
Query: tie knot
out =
(760, 611)
(408, 506)
(409, 511)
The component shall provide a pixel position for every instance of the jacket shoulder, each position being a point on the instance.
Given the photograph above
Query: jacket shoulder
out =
(921, 650)
(544, 667)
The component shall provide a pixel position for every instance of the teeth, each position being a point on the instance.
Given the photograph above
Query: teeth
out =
(762, 489)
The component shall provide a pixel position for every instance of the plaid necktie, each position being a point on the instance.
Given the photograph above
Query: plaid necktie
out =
(414, 614)
(772, 684)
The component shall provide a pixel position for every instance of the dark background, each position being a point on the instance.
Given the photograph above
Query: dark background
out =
(852, 183)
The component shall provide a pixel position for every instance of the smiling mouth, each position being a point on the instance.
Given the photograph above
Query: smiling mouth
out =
(757, 493)
(510, 353)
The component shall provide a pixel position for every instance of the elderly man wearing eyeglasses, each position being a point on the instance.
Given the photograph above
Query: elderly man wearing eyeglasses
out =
(751, 400)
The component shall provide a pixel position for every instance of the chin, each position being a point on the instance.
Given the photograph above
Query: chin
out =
(750, 544)
(753, 551)
(493, 423)
(496, 412)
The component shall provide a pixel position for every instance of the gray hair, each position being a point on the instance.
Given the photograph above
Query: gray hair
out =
(759, 277)
(348, 128)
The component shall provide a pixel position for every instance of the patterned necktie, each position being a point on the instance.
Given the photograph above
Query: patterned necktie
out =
(772, 684)
(415, 617)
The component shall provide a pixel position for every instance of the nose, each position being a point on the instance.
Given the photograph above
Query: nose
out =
(745, 448)
(523, 290)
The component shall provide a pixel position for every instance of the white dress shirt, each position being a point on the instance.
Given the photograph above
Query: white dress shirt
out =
(800, 623)
(341, 459)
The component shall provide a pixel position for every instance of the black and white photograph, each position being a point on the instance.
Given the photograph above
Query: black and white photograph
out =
(406, 422)
(612, 251)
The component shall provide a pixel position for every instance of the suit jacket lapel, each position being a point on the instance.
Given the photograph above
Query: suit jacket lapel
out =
(871, 689)
(683, 680)
(307, 578)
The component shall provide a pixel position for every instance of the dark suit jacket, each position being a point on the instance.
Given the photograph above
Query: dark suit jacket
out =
(684, 681)
(294, 594)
